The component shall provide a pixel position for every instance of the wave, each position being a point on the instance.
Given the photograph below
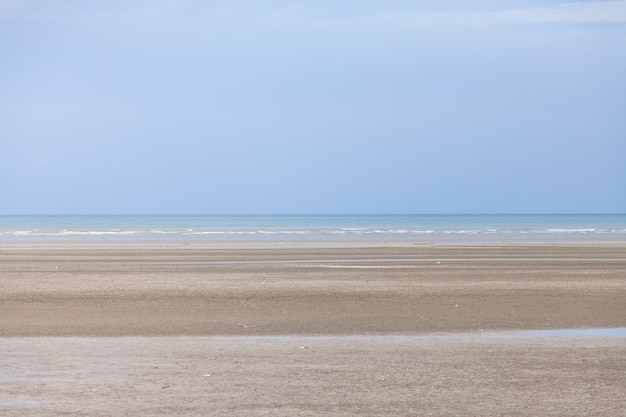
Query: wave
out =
(343, 231)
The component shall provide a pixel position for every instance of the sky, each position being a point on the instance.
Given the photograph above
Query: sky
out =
(312, 106)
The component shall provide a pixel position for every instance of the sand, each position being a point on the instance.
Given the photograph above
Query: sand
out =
(188, 329)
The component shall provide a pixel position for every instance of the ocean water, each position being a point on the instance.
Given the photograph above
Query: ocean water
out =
(420, 228)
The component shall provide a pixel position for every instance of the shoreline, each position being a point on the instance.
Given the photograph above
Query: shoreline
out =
(307, 242)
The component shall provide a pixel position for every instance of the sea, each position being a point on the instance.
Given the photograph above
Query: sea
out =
(344, 227)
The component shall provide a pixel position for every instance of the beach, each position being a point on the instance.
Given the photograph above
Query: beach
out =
(311, 329)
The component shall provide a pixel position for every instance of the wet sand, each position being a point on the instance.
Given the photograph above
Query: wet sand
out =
(176, 290)
(310, 330)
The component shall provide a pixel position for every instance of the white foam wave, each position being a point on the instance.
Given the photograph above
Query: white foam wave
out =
(343, 231)
(567, 230)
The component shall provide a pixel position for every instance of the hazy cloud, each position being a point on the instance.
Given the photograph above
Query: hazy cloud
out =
(445, 12)
(362, 105)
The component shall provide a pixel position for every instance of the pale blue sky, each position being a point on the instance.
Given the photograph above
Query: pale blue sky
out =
(368, 106)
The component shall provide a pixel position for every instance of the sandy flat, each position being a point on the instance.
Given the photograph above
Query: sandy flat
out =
(392, 330)
(248, 376)
(175, 290)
